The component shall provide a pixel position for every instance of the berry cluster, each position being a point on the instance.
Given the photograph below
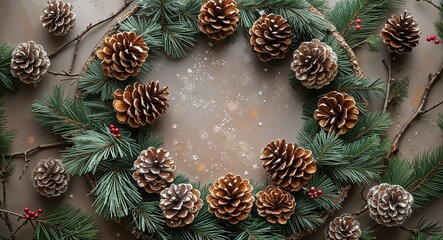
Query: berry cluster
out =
(433, 38)
(31, 214)
(115, 131)
(358, 22)
(314, 193)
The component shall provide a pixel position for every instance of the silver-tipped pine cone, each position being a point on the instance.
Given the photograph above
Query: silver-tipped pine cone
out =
(154, 169)
(123, 55)
(344, 227)
(50, 177)
(29, 62)
(288, 165)
(336, 112)
(276, 204)
(180, 204)
(389, 205)
(218, 18)
(401, 33)
(139, 105)
(230, 198)
(270, 37)
(315, 64)
(58, 17)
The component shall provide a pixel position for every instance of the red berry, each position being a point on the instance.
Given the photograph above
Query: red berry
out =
(310, 194)
(27, 217)
(118, 135)
(437, 41)
(358, 21)
(117, 130)
(358, 27)
(40, 210)
(36, 216)
(319, 192)
(31, 213)
(113, 130)
(111, 126)
(312, 189)
(433, 37)
(428, 39)
(311, 197)
(26, 209)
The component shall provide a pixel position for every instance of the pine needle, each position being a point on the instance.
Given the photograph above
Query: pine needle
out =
(7, 81)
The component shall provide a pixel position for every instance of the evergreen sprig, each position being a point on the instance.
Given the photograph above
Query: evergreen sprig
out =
(438, 25)
(328, 201)
(321, 5)
(7, 81)
(345, 12)
(371, 124)
(367, 234)
(306, 217)
(66, 222)
(399, 91)
(93, 147)
(7, 168)
(148, 217)
(116, 194)
(257, 228)
(6, 136)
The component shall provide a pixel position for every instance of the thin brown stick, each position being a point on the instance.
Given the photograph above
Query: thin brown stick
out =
(431, 108)
(364, 209)
(389, 82)
(33, 150)
(413, 232)
(64, 73)
(433, 4)
(420, 110)
(19, 227)
(74, 56)
(89, 27)
(6, 215)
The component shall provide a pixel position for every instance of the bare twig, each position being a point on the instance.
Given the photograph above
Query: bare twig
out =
(33, 150)
(413, 232)
(19, 227)
(64, 73)
(89, 27)
(361, 195)
(389, 82)
(6, 215)
(431, 108)
(364, 209)
(420, 110)
(74, 56)
(433, 4)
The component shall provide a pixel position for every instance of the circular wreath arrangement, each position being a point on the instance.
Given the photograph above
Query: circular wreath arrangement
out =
(134, 180)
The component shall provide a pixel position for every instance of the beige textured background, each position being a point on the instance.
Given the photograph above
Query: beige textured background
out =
(225, 107)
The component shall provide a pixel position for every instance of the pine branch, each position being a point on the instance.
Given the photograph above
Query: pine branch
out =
(362, 89)
(367, 234)
(327, 148)
(7, 81)
(321, 5)
(398, 172)
(329, 200)
(306, 217)
(257, 228)
(148, 217)
(7, 137)
(116, 194)
(66, 222)
(94, 147)
(373, 123)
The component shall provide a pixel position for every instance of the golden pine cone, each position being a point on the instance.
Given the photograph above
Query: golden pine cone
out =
(389, 205)
(139, 105)
(58, 17)
(230, 198)
(122, 55)
(344, 227)
(154, 169)
(270, 37)
(29, 62)
(218, 18)
(276, 204)
(315, 64)
(50, 177)
(336, 112)
(180, 204)
(289, 166)
(401, 33)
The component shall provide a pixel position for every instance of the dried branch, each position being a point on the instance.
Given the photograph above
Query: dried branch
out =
(433, 4)
(64, 73)
(6, 215)
(420, 110)
(413, 232)
(364, 209)
(89, 27)
(74, 56)
(389, 82)
(33, 150)
(431, 108)
(19, 227)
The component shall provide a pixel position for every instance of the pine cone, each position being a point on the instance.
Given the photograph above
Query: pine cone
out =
(270, 37)
(29, 62)
(180, 204)
(230, 198)
(139, 105)
(389, 205)
(344, 227)
(288, 165)
(154, 169)
(315, 64)
(218, 18)
(401, 33)
(58, 17)
(50, 178)
(336, 112)
(122, 55)
(276, 204)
